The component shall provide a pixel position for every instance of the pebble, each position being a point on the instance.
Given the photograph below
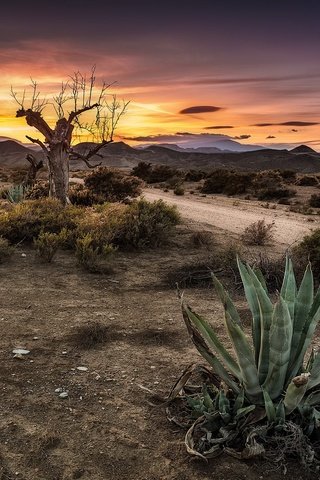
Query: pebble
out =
(63, 395)
(23, 255)
(58, 390)
(153, 367)
(82, 369)
(20, 351)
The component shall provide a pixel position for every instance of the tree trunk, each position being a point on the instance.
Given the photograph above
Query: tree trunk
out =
(58, 166)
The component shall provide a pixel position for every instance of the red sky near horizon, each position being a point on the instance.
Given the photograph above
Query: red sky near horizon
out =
(255, 66)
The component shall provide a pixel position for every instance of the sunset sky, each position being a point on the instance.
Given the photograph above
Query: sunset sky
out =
(248, 70)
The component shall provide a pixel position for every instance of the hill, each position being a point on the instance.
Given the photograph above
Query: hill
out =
(303, 149)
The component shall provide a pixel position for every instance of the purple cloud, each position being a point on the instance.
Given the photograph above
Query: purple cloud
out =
(219, 127)
(200, 109)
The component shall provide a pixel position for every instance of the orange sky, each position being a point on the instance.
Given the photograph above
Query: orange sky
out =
(165, 60)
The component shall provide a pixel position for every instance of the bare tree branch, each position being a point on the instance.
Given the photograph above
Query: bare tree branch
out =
(76, 155)
(76, 113)
(38, 142)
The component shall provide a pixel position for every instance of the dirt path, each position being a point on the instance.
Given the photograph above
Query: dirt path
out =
(235, 215)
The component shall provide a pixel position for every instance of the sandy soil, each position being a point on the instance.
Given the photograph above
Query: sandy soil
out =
(105, 428)
(234, 215)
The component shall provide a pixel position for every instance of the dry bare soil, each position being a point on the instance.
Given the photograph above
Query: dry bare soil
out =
(106, 427)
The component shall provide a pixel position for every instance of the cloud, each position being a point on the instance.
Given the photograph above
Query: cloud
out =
(286, 124)
(200, 109)
(219, 127)
(181, 137)
(294, 130)
(241, 137)
(270, 136)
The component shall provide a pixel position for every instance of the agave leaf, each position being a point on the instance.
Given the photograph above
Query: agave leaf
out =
(246, 361)
(224, 404)
(289, 288)
(280, 343)
(207, 400)
(261, 278)
(225, 299)
(266, 311)
(269, 406)
(295, 392)
(280, 412)
(195, 324)
(310, 361)
(314, 379)
(302, 308)
(313, 399)
(242, 412)
(252, 299)
(239, 401)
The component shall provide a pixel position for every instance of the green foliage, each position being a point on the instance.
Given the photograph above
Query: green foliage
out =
(179, 190)
(309, 249)
(6, 250)
(273, 193)
(155, 173)
(112, 185)
(28, 219)
(16, 193)
(47, 244)
(227, 182)
(90, 256)
(258, 233)
(269, 379)
(194, 175)
(79, 195)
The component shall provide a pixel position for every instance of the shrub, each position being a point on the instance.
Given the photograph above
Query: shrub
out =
(28, 219)
(147, 224)
(6, 250)
(275, 193)
(142, 170)
(179, 190)
(79, 195)
(267, 375)
(112, 185)
(288, 176)
(90, 335)
(258, 233)
(39, 190)
(202, 238)
(314, 201)
(309, 250)
(194, 175)
(89, 256)
(155, 173)
(47, 244)
(216, 182)
(307, 181)
(227, 182)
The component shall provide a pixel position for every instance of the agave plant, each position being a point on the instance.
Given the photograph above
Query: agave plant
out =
(16, 193)
(267, 384)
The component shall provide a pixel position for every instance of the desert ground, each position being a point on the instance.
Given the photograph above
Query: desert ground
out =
(107, 428)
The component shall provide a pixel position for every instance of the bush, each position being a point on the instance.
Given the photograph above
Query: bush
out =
(89, 256)
(142, 170)
(112, 185)
(309, 250)
(179, 190)
(147, 224)
(307, 181)
(28, 219)
(155, 173)
(288, 176)
(79, 195)
(6, 250)
(47, 244)
(315, 201)
(273, 193)
(90, 335)
(194, 176)
(203, 239)
(39, 190)
(227, 182)
(258, 233)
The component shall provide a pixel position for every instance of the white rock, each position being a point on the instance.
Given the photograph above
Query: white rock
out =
(82, 369)
(23, 255)
(63, 395)
(20, 351)
(58, 390)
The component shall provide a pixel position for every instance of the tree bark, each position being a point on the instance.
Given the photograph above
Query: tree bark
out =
(58, 166)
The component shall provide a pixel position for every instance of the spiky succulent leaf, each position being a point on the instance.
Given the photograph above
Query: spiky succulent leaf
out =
(289, 288)
(280, 343)
(295, 392)
(215, 346)
(314, 379)
(266, 311)
(245, 357)
(239, 401)
(303, 303)
(269, 406)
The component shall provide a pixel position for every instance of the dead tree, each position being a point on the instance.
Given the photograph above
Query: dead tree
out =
(89, 111)
(35, 166)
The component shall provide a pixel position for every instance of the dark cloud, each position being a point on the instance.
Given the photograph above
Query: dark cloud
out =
(286, 124)
(270, 136)
(241, 137)
(200, 109)
(178, 137)
(219, 127)
(294, 130)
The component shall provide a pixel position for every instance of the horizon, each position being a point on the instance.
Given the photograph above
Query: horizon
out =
(247, 73)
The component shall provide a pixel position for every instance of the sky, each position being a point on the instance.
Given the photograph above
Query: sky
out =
(244, 70)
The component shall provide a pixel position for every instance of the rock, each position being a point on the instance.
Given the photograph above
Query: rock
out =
(20, 351)
(58, 390)
(23, 255)
(82, 369)
(63, 395)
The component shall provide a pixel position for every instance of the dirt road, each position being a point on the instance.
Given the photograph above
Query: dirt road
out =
(235, 215)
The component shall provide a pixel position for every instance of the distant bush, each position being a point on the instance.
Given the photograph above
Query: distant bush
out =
(91, 256)
(307, 181)
(194, 175)
(288, 176)
(155, 173)
(227, 182)
(273, 193)
(258, 233)
(179, 190)
(315, 201)
(112, 185)
(203, 238)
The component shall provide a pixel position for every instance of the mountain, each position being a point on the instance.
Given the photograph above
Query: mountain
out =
(119, 154)
(303, 149)
(216, 146)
